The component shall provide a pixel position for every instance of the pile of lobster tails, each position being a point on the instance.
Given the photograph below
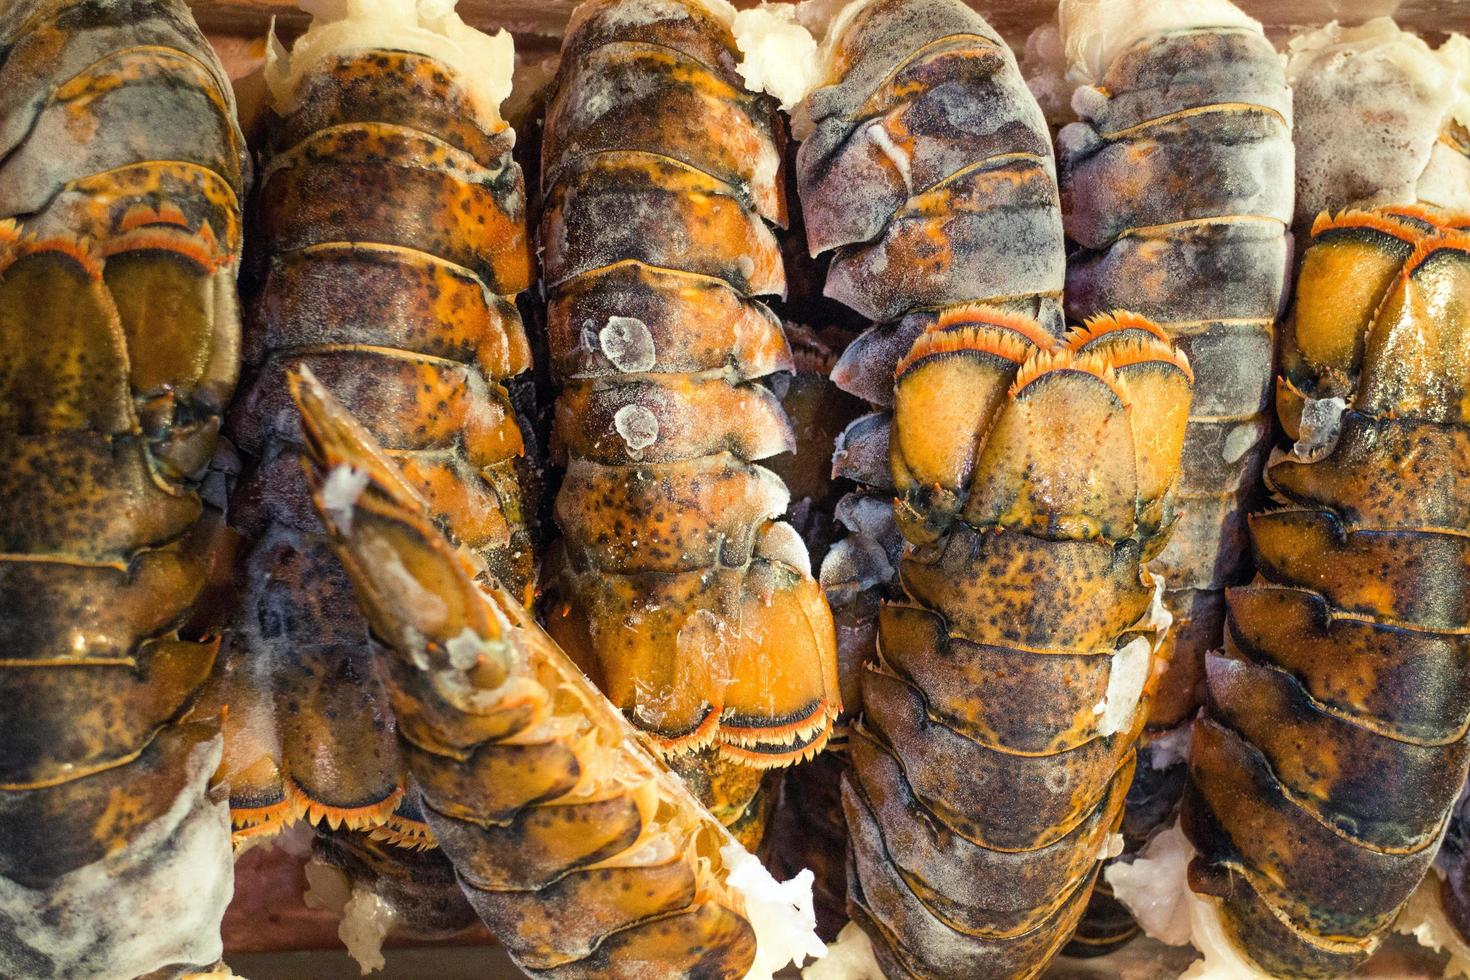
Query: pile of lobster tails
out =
(712, 489)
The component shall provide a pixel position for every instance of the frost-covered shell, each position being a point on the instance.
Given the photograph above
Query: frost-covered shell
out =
(660, 173)
(391, 243)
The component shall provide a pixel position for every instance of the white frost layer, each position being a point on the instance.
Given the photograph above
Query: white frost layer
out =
(1095, 32)
(850, 957)
(1370, 102)
(1155, 888)
(1127, 675)
(155, 903)
(483, 62)
(780, 912)
(1423, 918)
(779, 55)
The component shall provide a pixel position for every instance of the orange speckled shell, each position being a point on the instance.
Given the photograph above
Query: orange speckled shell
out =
(660, 173)
(391, 243)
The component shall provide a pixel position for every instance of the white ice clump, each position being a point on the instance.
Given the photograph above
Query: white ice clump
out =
(483, 62)
(1171, 747)
(1320, 427)
(781, 913)
(156, 902)
(340, 491)
(1127, 675)
(1370, 104)
(637, 426)
(1423, 918)
(1155, 888)
(779, 55)
(628, 344)
(1095, 32)
(364, 919)
(366, 922)
(1112, 846)
(850, 957)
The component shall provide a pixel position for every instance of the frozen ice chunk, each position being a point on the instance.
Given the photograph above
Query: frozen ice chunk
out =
(637, 425)
(1423, 917)
(628, 343)
(1155, 888)
(364, 919)
(781, 913)
(779, 55)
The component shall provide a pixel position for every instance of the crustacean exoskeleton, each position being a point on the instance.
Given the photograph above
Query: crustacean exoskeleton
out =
(1033, 475)
(581, 851)
(121, 170)
(1177, 192)
(677, 589)
(390, 244)
(1333, 744)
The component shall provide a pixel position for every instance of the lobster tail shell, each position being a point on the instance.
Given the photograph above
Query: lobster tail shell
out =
(1334, 743)
(1033, 476)
(660, 173)
(1177, 188)
(120, 179)
(584, 855)
(1177, 185)
(392, 244)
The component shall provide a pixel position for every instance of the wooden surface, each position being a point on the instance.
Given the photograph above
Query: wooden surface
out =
(1142, 959)
(544, 19)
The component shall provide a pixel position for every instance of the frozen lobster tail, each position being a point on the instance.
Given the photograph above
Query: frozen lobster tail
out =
(996, 742)
(583, 854)
(119, 345)
(1177, 191)
(391, 243)
(678, 591)
(1334, 746)
(925, 202)
(997, 739)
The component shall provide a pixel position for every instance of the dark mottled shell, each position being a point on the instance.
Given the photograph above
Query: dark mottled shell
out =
(1334, 743)
(120, 173)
